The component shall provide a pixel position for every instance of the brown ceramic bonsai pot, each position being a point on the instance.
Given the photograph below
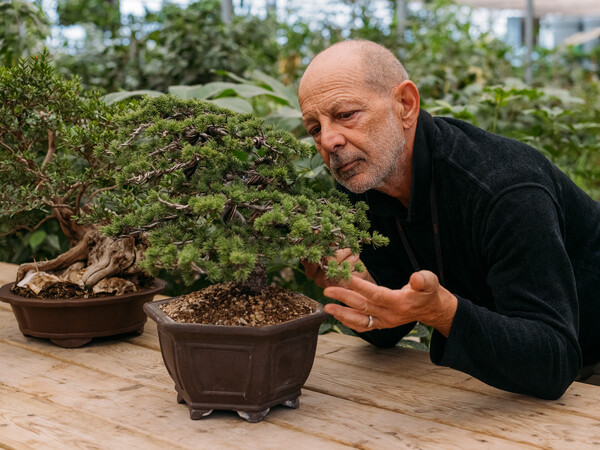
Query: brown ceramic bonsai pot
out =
(75, 322)
(239, 368)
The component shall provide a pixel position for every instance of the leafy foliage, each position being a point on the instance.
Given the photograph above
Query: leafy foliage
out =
(217, 192)
(48, 131)
(105, 14)
(23, 27)
(174, 46)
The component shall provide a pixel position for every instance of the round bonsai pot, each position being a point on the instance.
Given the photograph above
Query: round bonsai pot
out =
(239, 368)
(76, 321)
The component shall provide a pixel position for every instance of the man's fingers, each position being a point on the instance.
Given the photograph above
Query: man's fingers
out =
(364, 287)
(348, 316)
(343, 254)
(346, 296)
(424, 281)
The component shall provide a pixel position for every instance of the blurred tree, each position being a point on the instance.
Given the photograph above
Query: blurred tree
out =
(23, 28)
(176, 45)
(105, 14)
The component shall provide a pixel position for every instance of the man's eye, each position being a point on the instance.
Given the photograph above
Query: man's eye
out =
(346, 115)
(314, 131)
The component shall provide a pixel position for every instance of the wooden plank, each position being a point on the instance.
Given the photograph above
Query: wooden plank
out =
(137, 407)
(145, 367)
(8, 273)
(579, 399)
(329, 417)
(366, 426)
(369, 427)
(497, 416)
(28, 422)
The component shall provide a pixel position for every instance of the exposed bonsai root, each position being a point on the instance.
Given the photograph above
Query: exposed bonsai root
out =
(94, 258)
(109, 257)
(79, 252)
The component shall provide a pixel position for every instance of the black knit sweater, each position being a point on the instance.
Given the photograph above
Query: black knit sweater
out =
(520, 246)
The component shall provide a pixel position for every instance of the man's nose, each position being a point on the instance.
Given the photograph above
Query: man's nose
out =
(332, 138)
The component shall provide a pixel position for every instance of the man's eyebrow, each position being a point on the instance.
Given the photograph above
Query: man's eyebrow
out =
(307, 118)
(331, 107)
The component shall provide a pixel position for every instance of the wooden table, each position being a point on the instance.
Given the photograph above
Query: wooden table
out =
(116, 393)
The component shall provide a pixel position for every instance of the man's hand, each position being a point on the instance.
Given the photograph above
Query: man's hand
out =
(316, 273)
(423, 299)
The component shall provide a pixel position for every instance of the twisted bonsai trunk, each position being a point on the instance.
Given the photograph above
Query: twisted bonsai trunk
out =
(104, 257)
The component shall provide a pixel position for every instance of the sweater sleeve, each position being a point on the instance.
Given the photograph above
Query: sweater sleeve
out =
(528, 343)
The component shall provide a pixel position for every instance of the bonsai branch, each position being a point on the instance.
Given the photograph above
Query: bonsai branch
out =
(198, 270)
(172, 146)
(7, 147)
(137, 131)
(98, 191)
(136, 231)
(80, 196)
(173, 205)
(139, 179)
(25, 227)
(51, 148)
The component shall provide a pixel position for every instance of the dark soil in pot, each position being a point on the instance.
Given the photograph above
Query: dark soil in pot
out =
(226, 304)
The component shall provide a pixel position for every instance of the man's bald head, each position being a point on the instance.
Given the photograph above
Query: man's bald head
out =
(378, 67)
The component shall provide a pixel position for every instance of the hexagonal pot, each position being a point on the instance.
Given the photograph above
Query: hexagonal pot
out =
(239, 368)
(76, 321)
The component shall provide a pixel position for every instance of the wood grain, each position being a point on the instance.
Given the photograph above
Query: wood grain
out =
(116, 393)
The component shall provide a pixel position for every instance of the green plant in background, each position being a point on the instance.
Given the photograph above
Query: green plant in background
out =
(260, 94)
(105, 14)
(23, 28)
(174, 46)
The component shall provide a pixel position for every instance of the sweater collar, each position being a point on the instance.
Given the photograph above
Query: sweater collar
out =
(384, 205)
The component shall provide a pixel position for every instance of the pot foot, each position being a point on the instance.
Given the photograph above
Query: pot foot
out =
(71, 343)
(253, 417)
(294, 403)
(180, 399)
(196, 414)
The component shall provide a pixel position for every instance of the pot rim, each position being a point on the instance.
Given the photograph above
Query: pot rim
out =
(163, 320)
(76, 302)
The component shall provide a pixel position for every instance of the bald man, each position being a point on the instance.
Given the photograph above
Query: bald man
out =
(490, 244)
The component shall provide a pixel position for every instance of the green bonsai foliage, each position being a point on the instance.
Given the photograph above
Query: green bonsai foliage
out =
(48, 169)
(216, 194)
(47, 134)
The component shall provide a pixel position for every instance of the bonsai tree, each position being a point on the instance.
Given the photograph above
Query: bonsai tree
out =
(49, 171)
(213, 193)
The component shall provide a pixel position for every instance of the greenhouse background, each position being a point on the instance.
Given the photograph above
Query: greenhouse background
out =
(530, 73)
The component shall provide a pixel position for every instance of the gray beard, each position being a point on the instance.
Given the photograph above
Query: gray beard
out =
(394, 158)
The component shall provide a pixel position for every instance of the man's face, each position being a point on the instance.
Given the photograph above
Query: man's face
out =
(356, 130)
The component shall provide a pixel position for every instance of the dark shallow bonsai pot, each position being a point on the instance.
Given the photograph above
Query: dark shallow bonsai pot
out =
(244, 369)
(76, 321)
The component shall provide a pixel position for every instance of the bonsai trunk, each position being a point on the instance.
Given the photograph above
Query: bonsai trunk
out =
(103, 257)
(256, 282)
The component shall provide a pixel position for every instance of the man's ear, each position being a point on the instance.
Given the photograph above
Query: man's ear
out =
(406, 96)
